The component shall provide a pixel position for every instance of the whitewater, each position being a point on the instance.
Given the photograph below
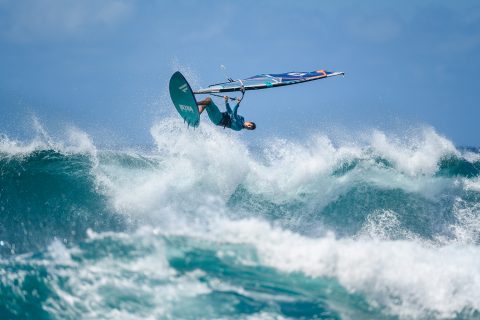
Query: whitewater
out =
(205, 226)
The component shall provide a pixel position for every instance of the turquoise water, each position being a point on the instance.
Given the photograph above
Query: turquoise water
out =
(379, 226)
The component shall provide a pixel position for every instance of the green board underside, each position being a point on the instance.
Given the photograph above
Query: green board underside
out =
(184, 100)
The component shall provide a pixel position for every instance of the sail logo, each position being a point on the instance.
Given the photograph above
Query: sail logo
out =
(184, 87)
(297, 74)
(185, 108)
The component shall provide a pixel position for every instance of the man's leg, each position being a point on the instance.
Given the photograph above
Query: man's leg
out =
(203, 104)
(213, 112)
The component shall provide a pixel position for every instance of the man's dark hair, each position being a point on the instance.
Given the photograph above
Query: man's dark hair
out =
(251, 127)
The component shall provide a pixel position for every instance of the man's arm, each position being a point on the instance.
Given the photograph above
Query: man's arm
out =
(235, 109)
(227, 105)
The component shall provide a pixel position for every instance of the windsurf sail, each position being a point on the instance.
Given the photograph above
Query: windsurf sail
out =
(265, 81)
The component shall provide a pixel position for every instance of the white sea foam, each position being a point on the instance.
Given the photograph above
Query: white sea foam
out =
(384, 225)
(192, 171)
(41, 141)
(417, 153)
(408, 278)
(76, 141)
(87, 288)
(471, 156)
(206, 165)
(472, 184)
(293, 168)
(467, 225)
(13, 147)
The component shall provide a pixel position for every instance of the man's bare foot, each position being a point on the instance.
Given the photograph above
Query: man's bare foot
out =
(205, 101)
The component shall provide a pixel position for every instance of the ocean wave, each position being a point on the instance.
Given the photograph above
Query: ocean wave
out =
(205, 225)
(310, 187)
(47, 195)
(239, 269)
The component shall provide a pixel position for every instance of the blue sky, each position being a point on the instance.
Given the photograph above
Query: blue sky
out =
(104, 66)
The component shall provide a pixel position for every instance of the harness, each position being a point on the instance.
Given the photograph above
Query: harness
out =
(226, 121)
